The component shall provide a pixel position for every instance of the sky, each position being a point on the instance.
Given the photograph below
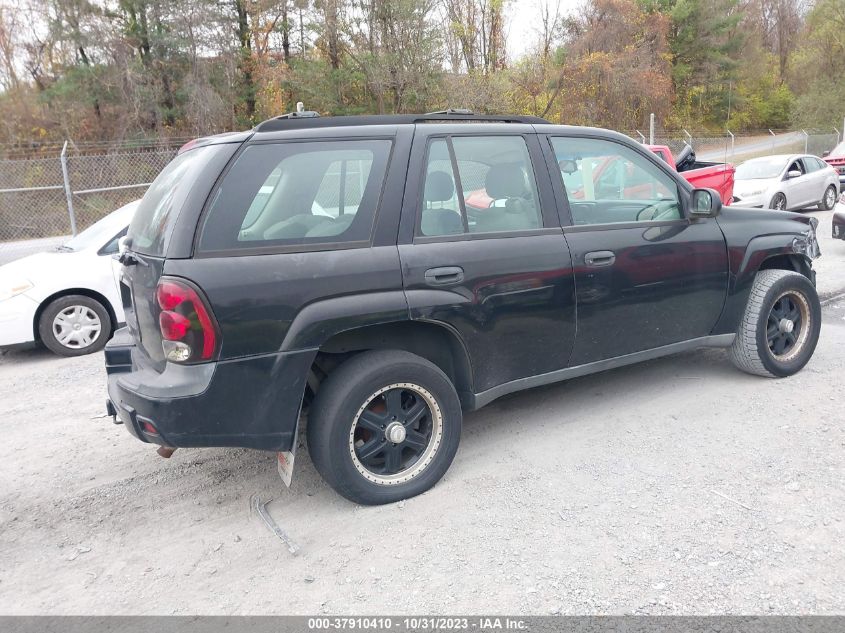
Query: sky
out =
(524, 22)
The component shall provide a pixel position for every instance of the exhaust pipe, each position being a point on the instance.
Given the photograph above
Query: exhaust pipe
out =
(165, 451)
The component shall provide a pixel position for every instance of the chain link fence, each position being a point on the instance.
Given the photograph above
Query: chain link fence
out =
(739, 148)
(44, 199)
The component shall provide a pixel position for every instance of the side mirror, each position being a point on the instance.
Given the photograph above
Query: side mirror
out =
(793, 173)
(568, 166)
(706, 203)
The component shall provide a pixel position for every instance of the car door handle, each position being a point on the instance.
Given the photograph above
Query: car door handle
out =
(600, 258)
(444, 275)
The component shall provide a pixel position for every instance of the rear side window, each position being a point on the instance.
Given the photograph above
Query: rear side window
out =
(157, 212)
(297, 194)
(478, 184)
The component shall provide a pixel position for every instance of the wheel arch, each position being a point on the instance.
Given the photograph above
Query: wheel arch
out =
(784, 261)
(86, 292)
(435, 342)
(768, 252)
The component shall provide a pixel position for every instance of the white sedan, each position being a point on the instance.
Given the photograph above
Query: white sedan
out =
(68, 299)
(786, 182)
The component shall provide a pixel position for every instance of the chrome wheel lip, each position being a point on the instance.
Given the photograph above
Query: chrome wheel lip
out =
(804, 326)
(428, 455)
(76, 327)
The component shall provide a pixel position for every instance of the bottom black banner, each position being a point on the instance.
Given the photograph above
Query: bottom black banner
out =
(403, 624)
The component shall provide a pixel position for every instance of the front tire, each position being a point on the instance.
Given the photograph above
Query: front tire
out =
(829, 199)
(384, 426)
(75, 325)
(780, 328)
(778, 202)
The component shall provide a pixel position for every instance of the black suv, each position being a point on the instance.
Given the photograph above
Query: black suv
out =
(391, 272)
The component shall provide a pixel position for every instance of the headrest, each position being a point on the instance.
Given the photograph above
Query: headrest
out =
(438, 187)
(505, 181)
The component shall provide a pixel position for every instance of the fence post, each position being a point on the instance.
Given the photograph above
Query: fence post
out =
(837, 134)
(733, 143)
(689, 138)
(641, 136)
(773, 139)
(68, 190)
(806, 140)
(651, 129)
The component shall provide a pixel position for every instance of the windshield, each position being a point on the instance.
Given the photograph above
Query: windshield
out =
(157, 212)
(759, 168)
(101, 232)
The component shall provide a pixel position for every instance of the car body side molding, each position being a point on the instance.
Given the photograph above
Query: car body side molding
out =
(486, 397)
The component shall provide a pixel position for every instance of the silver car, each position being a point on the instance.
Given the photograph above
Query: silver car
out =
(785, 182)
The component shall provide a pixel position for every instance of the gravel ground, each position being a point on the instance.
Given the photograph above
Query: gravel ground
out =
(678, 486)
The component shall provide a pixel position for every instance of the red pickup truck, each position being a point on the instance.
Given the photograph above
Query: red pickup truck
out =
(718, 176)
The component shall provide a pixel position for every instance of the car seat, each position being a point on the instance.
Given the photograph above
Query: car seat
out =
(439, 187)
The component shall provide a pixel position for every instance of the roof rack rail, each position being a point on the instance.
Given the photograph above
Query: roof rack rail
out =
(301, 120)
(452, 112)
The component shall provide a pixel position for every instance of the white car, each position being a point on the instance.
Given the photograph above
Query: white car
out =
(68, 299)
(786, 182)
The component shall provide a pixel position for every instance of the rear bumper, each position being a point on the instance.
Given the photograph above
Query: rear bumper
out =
(250, 402)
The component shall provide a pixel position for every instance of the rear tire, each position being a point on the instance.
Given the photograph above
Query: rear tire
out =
(75, 325)
(778, 202)
(384, 426)
(780, 328)
(829, 200)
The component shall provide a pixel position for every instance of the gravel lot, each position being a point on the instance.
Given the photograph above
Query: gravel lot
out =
(678, 486)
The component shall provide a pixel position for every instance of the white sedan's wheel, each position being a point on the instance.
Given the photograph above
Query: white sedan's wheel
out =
(77, 327)
(74, 325)
(829, 199)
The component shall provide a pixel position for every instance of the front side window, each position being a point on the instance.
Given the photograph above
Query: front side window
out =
(297, 194)
(493, 189)
(796, 166)
(607, 182)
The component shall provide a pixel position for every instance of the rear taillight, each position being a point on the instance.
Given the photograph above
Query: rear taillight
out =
(188, 331)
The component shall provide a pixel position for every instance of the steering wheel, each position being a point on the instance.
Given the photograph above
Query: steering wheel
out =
(665, 209)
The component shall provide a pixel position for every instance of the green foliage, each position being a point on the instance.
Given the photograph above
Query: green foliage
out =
(160, 67)
(818, 66)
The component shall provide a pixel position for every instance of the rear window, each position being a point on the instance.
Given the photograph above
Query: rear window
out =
(297, 195)
(157, 212)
